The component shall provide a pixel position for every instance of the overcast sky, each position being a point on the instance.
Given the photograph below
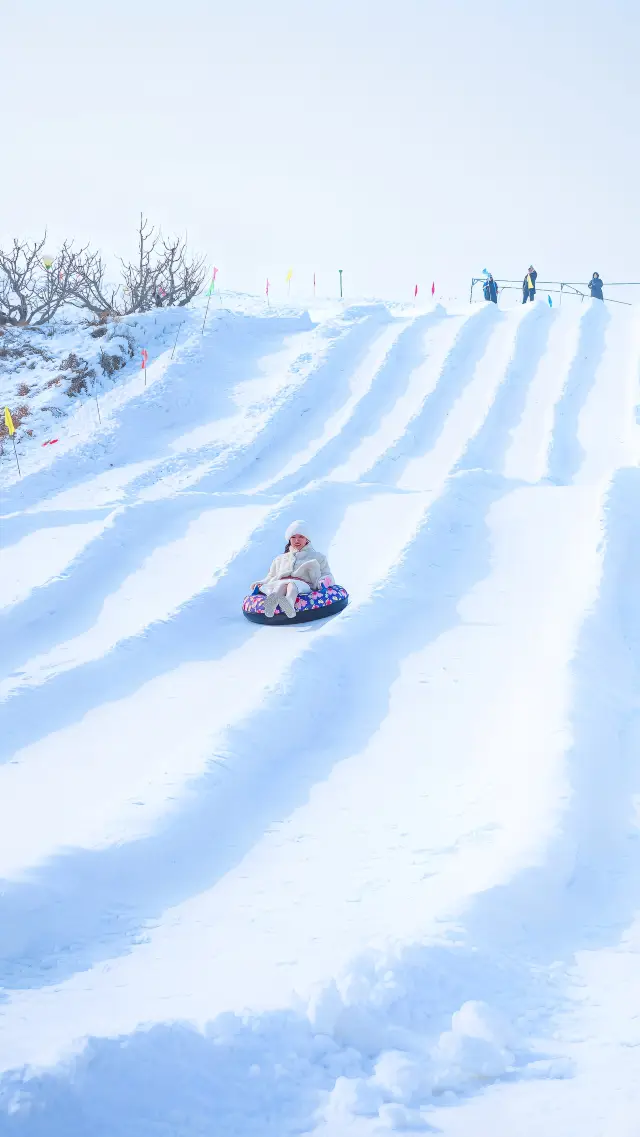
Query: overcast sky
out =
(400, 140)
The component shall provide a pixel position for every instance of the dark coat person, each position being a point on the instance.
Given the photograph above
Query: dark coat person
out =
(529, 285)
(595, 287)
(490, 289)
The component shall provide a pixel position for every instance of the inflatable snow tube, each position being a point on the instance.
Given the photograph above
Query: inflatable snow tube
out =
(312, 606)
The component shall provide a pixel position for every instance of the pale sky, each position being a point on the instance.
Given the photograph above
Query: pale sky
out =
(402, 141)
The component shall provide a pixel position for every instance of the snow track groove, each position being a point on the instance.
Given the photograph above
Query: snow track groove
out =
(203, 820)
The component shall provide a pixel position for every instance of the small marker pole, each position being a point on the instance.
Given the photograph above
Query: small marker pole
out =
(8, 422)
(340, 271)
(212, 288)
(13, 439)
(176, 339)
(206, 313)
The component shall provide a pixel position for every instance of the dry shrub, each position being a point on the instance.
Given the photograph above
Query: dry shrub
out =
(77, 385)
(81, 373)
(72, 363)
(21, 412)
(54, 382)
(17, 348)
(24, 389)
(111, 363)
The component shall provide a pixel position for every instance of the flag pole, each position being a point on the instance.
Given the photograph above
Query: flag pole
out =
(206, 312)
(212, 288)
(176, 339)
(340, 271)
(8, 422)
(13, 439)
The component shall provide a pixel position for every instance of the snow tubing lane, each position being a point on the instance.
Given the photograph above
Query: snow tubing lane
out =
(313, 606)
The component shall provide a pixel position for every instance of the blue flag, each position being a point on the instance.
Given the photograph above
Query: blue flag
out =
(550, 301)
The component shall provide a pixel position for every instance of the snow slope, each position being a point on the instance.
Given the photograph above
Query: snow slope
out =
(376, 874)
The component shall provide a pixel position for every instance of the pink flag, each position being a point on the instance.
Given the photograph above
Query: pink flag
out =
(433, 288)
(415, 291)
(215, 272)
(267, 288)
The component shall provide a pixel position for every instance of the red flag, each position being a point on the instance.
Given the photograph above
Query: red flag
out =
(145, 356)
(50, 442)
(415, 291)
(433, 288)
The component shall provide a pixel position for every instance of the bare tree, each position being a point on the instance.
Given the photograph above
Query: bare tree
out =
(31, 294)
(162, 275)
(139, 277)
(89, 287)
(178, 279)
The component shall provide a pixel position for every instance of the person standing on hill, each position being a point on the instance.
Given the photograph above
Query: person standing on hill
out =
(490, 289)
(595, 287)
(529, 285)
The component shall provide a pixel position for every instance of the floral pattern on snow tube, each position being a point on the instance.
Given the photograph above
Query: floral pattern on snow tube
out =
(311, 606)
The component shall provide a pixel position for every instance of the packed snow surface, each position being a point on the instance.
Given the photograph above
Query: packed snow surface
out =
(375, 874)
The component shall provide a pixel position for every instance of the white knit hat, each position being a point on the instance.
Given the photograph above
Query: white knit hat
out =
(297, 529)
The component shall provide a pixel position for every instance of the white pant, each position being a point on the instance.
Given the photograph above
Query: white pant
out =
(273, 585)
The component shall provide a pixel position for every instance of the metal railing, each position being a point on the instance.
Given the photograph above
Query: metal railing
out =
(566, 287)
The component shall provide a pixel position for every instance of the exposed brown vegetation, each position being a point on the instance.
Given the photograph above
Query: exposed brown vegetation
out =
(111, 363)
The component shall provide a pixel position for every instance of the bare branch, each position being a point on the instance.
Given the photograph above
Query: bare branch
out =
(30, 294)
(161, 276)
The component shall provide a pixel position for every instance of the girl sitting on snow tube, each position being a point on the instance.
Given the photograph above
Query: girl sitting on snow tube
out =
(294, 573)
(300, 571)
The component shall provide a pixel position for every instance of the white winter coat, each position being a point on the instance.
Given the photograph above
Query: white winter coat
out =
(307, 565)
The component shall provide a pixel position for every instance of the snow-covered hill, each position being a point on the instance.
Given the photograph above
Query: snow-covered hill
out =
(380, 873)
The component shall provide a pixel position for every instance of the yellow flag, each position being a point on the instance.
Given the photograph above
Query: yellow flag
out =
(9, 421)
(289, 275)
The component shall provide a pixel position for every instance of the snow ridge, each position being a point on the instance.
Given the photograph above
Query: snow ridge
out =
(343, 879)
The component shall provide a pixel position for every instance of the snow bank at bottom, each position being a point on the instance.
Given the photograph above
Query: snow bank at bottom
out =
(370, 1053)
(408, 1058)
